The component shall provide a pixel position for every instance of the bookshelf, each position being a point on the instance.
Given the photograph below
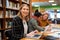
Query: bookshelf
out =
(10, 13)
(8, 10)
(1, 20)
(25, 1)
(12, 5)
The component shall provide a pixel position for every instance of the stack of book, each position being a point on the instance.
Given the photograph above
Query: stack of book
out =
(12, 5)
(10, 14)
(8, 24)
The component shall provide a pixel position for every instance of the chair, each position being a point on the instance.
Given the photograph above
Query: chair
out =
(8, 34)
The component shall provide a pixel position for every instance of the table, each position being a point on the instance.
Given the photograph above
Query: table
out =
(44, 34)
(30, 39)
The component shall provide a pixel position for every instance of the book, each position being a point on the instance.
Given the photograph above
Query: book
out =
(18, 5)
(0, 24)
(1, 14)
(13, 14)
(6, 14)
(10, 14)
(0, 3)
(12, 5)
(7, 3)
(8, 24)
(0, 36)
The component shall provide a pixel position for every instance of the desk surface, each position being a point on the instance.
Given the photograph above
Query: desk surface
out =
(33, 39)
(45, 34)
(30, 39)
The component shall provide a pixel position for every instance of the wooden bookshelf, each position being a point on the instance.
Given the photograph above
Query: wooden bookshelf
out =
(5, 22)
(8, 10)
(1, 15)
(16, 1)
(16, 9)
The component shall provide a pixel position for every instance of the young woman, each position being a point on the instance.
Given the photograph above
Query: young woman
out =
(20, 27)
(44, 21)
(33, 22)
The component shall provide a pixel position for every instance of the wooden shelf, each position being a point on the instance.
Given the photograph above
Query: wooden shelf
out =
(40, 0)
(7, 28)
(1, 7)
(1, 29)
(1, 18)
(10, 19)
(12, 9)
(25, 2)
(15, 1)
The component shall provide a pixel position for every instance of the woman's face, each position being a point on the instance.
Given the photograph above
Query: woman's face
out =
(25, 11)
(45, 17)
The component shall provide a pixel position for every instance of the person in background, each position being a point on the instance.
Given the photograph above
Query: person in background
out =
(44, 21)
(20, 26)
(33, 23)
(36, 10)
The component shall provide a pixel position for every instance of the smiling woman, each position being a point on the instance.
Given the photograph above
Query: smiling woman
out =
(20, 27)
(24, 11)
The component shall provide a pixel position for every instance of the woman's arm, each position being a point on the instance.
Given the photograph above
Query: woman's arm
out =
(35, 25)
(17, 30)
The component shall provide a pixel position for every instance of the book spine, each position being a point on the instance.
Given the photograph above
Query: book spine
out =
(1, 3)
(1, 14)
(7, 3)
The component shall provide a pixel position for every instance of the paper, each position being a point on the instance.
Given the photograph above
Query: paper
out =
(56, 34)
(36, 36)
(33, 35)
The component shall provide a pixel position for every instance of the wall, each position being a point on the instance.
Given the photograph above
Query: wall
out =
(43, 8)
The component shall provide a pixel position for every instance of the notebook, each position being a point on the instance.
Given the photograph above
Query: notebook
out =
(36, 36)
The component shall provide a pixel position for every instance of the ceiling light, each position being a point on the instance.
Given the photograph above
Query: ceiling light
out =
(36, 5)
(51, 0)
(54, 4)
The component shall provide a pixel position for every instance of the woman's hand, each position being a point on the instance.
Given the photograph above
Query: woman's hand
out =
(36, 31)
(32, 33)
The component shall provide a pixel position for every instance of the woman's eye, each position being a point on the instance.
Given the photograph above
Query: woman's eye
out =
(23, 9)
(27, 9)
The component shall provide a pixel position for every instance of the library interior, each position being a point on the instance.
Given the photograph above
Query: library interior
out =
(42, 22)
